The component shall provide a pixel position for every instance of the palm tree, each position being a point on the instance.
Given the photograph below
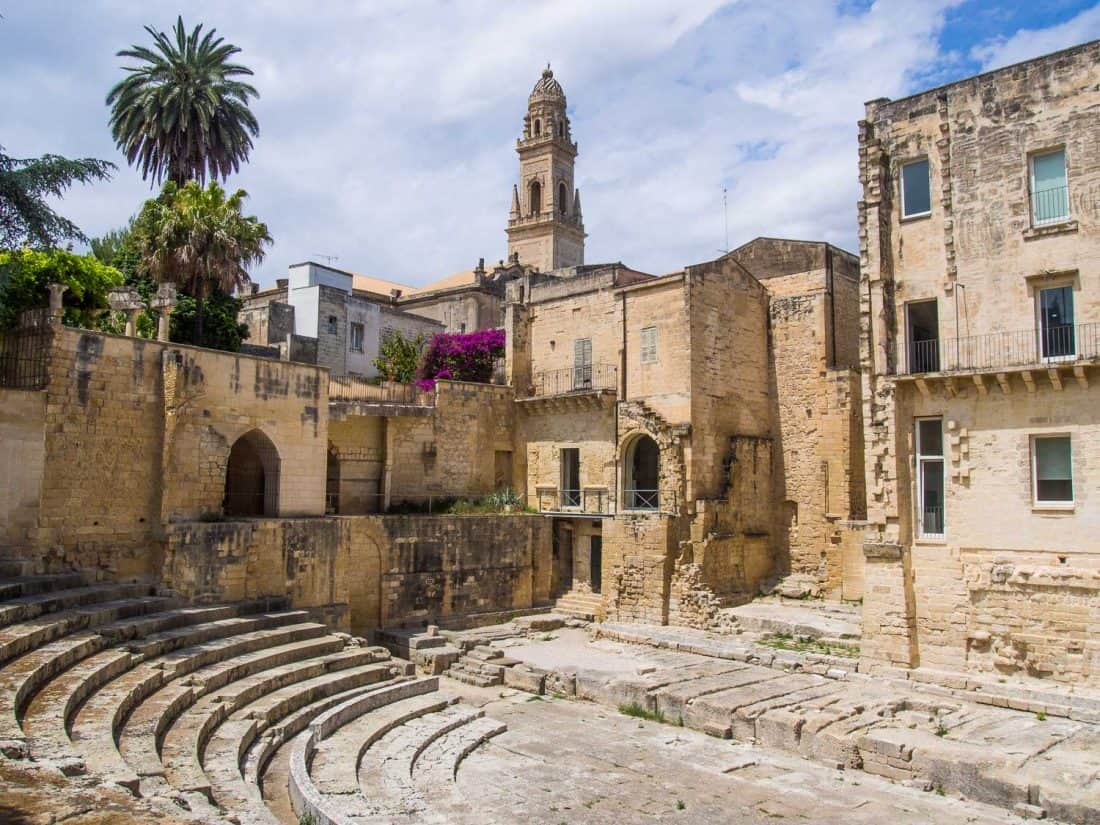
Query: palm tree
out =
(182, 114)
(199, 240)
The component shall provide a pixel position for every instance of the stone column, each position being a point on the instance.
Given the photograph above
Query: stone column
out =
(126, 299)
(164, 302)
(56, 310)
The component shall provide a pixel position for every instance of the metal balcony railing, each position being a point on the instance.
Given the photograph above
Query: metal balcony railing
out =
(642, 499)
(996, 350)
(594, 502)
(348, 389)
(1049, 206)
(579, 379)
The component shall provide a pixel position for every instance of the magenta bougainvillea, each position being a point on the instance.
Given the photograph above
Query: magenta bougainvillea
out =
(461, 357)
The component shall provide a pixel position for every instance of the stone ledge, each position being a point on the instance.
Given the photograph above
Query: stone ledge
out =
(883, 551)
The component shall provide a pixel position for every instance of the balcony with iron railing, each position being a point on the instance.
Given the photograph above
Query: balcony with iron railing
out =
(592, 501)
(577, 380)
(1049, 206)
(1049, 346)
(388, 398)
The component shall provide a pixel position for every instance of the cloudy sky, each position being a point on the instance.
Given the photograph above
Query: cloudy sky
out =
(388, 126)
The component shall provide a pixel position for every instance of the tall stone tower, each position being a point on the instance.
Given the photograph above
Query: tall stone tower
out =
(544, 225)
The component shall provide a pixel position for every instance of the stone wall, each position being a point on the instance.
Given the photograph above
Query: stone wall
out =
(638, 556)
(1009, 589)
(368, 571)
(453, 450)
(22, 455)
(138, 432)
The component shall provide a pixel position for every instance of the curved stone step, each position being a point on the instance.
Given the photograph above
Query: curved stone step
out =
(19, 586)
(230, 742)
(266, 765)
(19, 639)
(438, 765)
(304, 796)
(98, 722)
(144, 732)
(316, 661)
(30, 607)
(385, 775)
(335, 765)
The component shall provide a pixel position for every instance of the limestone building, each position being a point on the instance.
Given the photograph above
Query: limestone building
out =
(980, 247)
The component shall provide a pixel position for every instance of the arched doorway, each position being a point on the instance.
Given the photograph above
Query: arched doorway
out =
(641, 474)
(252, 477)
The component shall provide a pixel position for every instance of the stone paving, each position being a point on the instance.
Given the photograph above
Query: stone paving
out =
(572, 762)
(1029, 763)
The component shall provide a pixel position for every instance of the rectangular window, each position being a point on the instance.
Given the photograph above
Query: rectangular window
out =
(1052, 469)
(332, 325)
(357, 337)
(1049, 192)
(930, 477)
(649, 345)
(923, 328)
(570, 477)
(916, 189)
(582, 364)
(1056, 331)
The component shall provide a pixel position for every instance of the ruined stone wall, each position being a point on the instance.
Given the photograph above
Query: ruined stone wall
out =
(23, 457)
(453, 450)
(138, 432)
(638, 556)
(369, 571)
(730, 381)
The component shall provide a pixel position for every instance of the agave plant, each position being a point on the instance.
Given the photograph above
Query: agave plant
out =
(183, 114)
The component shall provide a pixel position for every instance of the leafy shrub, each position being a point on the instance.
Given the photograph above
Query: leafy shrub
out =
(398, 357)
(461, 357)
(25, 275)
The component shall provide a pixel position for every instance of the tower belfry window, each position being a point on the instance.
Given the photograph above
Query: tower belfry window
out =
(561, 128)
(538, 127)
(562, 196)
(536, 197)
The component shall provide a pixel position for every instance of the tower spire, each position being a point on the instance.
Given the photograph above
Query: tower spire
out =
(544, 223)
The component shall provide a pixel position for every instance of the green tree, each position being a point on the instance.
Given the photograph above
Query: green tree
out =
(183, 114)
(199, 240)
(118, 248)
(26, 218)
(25, 275)
(399, 356)
(221, 329)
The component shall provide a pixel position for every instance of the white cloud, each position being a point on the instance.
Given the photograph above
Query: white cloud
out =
(1028, 43)
(388, 127)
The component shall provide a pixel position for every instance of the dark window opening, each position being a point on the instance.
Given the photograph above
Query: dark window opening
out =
(536, 197)
(570, 477)
(924, 336)
(252, 477)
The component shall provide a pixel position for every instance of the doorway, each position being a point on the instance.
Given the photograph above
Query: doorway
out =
(595, 562)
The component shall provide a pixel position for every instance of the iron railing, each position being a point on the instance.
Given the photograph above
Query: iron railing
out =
(24, 357)
(932, 520)
(595, 502)
(1020, 348)
(642, 499)
(348, 389)
(1049, 205)
(572, 380)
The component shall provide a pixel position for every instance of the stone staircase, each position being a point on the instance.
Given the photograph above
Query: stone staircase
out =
(580, 605)
(198, 711)
(483, 666)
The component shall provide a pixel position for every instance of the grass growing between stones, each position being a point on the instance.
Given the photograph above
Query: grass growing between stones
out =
(638, 712)
(785, 641)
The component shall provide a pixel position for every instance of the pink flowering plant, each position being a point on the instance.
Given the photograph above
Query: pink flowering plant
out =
(461, 357)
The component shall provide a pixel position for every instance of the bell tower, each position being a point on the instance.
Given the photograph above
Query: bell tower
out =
(545, 228)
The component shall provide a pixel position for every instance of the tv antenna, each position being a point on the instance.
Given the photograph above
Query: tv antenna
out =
(328, 259)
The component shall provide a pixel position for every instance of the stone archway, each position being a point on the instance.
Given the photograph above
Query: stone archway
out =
(641, 474)
(252, 477)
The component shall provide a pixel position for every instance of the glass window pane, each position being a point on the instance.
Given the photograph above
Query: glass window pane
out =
(1049, 194)
(916, 188)
(930, 437)
(932, 497)
(1053, 469)
(1056, 317)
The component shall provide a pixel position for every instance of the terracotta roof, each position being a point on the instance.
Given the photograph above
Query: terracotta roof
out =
(466, 277)
(379, 285)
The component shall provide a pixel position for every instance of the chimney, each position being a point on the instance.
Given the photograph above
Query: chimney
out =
(282, 283)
